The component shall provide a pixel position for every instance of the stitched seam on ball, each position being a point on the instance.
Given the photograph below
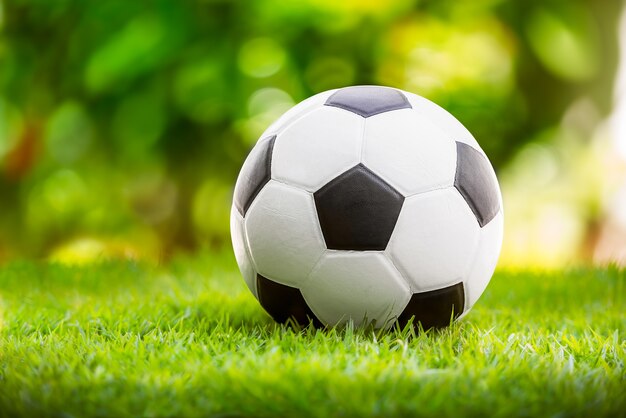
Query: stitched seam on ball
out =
(393, 264)
(320, 235)
(249, 249)
(280, 130)
(470, 270)
(362, 142)
(315, 266)
(429, 191)
(292, 186)
(481, 236)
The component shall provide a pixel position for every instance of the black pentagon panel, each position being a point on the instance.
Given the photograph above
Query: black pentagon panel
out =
(358, 211)
(474, 181)
(255, 173)
(368, 100)
(284, 302)
(434, 309)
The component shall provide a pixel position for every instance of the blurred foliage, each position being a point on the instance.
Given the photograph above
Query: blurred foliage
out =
(123, 124)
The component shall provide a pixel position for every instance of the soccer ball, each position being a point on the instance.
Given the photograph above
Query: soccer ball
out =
(367, 204)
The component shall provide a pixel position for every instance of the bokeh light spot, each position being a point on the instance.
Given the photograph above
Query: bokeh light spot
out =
(80, 251)
(58, 201)
(273, 100)
(264, 107)
(64, 191)
(545, 166)
(129, 52)
(68, 132)
(433, 57)
(566, 47)
(261, 57)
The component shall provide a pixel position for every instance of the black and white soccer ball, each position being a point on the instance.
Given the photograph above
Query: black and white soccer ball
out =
(367, 204)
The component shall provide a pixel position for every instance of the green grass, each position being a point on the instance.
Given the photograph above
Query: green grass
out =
(187, 339)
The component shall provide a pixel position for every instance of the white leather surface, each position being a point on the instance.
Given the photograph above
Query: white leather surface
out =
(448, 124)
(442, 119)
(296, 112)
(240, 247)
(317, 148)
(434, 239)
(485, 260)
(284, 234)
(409, 152)
(356, 285)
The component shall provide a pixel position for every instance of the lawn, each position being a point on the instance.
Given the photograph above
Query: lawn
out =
(187, 339)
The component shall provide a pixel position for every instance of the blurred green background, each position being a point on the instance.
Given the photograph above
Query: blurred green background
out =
(123, 124)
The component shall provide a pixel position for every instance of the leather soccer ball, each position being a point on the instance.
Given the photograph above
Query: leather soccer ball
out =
(367, 204)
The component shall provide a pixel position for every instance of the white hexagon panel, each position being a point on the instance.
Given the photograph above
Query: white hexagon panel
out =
(484, 260)
(415, 156)
(283, 233)
(317, 147)
(240, 247)
(363, 287)
(434, 240)
(448, 124)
